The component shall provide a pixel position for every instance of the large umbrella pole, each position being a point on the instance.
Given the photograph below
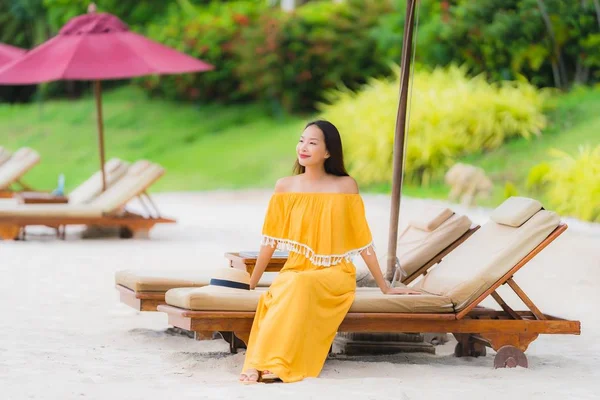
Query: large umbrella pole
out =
(98, 94)
(399, 138)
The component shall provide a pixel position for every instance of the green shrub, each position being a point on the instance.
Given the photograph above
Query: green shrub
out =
(263, 53)
(536, 176)
(450, 115)
(571, 183)
(510, 190)
(293, 58)
(209, 35)
(503, 38)
(134, 13)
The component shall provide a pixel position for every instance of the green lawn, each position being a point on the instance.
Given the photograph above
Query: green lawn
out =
(202, 147)
(212, 147)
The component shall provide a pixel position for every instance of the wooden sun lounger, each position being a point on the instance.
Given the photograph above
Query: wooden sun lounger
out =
(508, 332)
(10, 192)
(149, 301)
(131, 224)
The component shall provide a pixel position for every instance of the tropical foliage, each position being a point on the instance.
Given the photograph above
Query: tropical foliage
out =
(571, 182)
(451, 115)
(551, 42)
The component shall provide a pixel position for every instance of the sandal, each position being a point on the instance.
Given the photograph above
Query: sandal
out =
(248, 375)
(268, 375)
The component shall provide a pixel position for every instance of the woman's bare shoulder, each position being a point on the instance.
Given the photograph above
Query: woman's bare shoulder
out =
(346, 184)
(284, 184)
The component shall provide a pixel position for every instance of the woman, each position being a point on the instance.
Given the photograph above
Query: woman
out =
(318, 215)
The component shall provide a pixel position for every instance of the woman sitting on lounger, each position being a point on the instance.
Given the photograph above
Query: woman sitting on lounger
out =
(318, 216)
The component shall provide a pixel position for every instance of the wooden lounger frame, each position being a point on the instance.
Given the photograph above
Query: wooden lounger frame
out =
(148, 301)
(131, 224)
(8, 193)
(508, 332)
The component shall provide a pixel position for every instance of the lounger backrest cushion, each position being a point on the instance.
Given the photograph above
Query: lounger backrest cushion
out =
(16, 166)
(492, 251)
(138, 178)
(431, 218)
(114, 169)
(515, 211)
(416, 246)
(4, 155)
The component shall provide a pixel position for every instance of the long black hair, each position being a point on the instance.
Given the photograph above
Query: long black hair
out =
(334, 165)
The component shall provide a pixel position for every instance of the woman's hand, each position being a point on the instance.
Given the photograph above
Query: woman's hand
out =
(373, 265)
(264, 256)
(397, 290)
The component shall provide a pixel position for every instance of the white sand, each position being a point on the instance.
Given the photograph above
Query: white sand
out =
(64, 334)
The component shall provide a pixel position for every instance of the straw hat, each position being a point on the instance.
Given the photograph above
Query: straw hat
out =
(230, 278)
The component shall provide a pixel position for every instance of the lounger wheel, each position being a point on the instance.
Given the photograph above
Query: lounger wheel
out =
(473, 349)
(510, 357)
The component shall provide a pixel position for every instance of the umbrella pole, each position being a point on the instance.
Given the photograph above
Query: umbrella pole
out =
(399, 138)
(98, 94)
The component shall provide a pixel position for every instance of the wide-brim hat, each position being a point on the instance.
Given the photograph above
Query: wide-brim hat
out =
(228, 279)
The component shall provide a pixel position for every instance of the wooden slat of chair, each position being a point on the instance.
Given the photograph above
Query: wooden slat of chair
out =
(538, 314)
(505, 306)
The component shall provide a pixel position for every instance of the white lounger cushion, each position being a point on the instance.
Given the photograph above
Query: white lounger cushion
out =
(138, 177)
(431, 218)
(367, 300)
(15, 167)
(92, 187)
(492, 251)
(4, 155)
(161, 280)
(515, 211)
(416, 247)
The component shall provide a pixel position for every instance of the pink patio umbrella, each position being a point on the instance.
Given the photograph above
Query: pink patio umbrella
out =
(97, 46)
(9, 53)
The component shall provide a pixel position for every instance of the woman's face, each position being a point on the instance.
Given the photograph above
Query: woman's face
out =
(311, 149)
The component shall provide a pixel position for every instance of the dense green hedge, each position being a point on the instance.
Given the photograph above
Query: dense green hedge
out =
(504, 39)
(289, 59)
(294, 58)
(209, 34)
(265, 54)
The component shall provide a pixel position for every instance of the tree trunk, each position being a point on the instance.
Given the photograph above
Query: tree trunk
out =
(556, 74)
(562, 72)
(597, 7)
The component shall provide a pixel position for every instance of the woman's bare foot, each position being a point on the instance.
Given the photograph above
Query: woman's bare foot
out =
(249, 376)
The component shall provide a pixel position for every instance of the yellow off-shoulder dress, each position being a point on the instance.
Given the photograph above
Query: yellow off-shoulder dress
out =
(297, 318)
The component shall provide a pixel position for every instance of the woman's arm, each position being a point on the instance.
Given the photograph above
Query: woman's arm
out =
(264, 256)
(373, 264)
